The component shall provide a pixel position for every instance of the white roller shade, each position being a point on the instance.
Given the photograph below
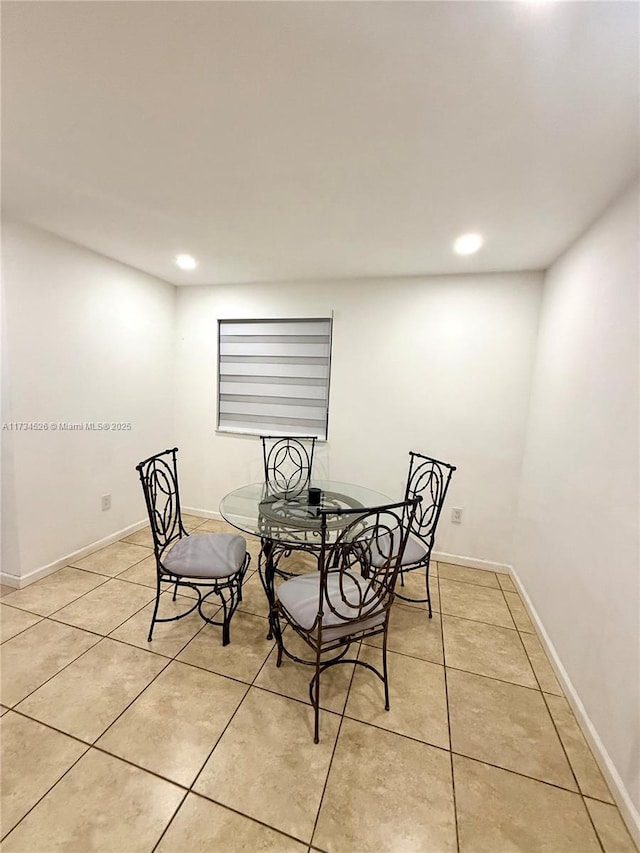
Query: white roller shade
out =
(274, 376)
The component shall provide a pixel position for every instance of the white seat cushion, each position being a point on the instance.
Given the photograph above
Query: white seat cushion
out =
(206, 555)
(300, 597)
(415, 550)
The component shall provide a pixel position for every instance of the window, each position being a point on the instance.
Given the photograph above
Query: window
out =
(273, 376)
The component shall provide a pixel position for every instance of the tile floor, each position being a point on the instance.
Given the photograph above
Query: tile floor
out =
(113, 744)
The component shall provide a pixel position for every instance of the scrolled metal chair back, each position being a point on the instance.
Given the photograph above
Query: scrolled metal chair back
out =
(159, 478)
(364, 558)
(288, 463)
(428, 478)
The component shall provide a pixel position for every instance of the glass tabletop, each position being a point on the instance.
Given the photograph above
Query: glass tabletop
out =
(289, 518)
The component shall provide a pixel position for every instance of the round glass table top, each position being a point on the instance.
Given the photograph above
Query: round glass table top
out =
(290, 518)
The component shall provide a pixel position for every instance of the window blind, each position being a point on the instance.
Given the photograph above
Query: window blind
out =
(274, 376)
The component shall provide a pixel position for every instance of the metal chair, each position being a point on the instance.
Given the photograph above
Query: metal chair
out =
(350, 597)
(428, 478)
(208, 563)
(288, 463)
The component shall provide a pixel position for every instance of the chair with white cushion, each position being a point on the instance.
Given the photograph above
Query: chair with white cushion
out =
(350, 597)
(211, 564)
(428, 478)
(288, 466)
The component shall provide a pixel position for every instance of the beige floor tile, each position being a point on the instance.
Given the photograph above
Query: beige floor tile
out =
(466, 575)
(253, 549)
(202, 827)
(486, 650)
(411, 632)
(113, 559)
(541, 666)
(13, 621)
(299, 562)
(417, 697)
(3, 710)
(500, 812)
(244, 655)
(610, 827)
(32, 657)
(102, 683)
(414, 588)
(506, 582)
(185, 591)
(386, 793)
(106, 607)
(55, 591)
(101, 806)
(190, 522)
(292, 679)
(169, 638)
(144, 572)
(506, 725)
(519, 613)
(215, 525)
(581, 758)
(474, 602)
(6, 590)
(34, 757)
(140, 537)
(254, 599)
(267, 766)
(173, 726)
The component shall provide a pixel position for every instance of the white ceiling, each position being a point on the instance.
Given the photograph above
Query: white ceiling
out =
(303, 140)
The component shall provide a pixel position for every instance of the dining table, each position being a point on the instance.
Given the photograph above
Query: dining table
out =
(291, 521)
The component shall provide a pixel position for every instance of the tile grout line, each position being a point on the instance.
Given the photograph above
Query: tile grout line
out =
(68, 604)
(171, 819)
(245, 816)
(446, 693)
(557, 731)
(513, 772)
(333, 751)
(92, 745)
(100, 637)
(40, 618)
(343, 715)
(48, 791)
(569, 762)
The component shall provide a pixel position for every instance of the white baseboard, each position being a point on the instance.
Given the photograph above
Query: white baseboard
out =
(20, 582)
(471, 562)
(629, 812)
(456, 559)
(205, 513)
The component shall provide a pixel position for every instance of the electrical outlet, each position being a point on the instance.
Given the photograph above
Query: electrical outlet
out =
(456, 515)
(106, 502)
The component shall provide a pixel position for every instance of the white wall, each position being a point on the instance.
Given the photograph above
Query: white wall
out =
(438, 365)
(577, 531)
(85, 339)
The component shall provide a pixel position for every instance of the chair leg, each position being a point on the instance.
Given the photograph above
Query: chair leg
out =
(226, 638)
(175, 589)
(316, 703)
(155, 610)
(385, 671)
(228, 613)
(428, 593)
(278, 637)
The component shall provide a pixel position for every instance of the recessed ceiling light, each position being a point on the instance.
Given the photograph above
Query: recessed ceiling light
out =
(186, 262)
(467, 244)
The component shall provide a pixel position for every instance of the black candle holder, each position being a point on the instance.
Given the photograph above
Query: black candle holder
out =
(315, 496)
